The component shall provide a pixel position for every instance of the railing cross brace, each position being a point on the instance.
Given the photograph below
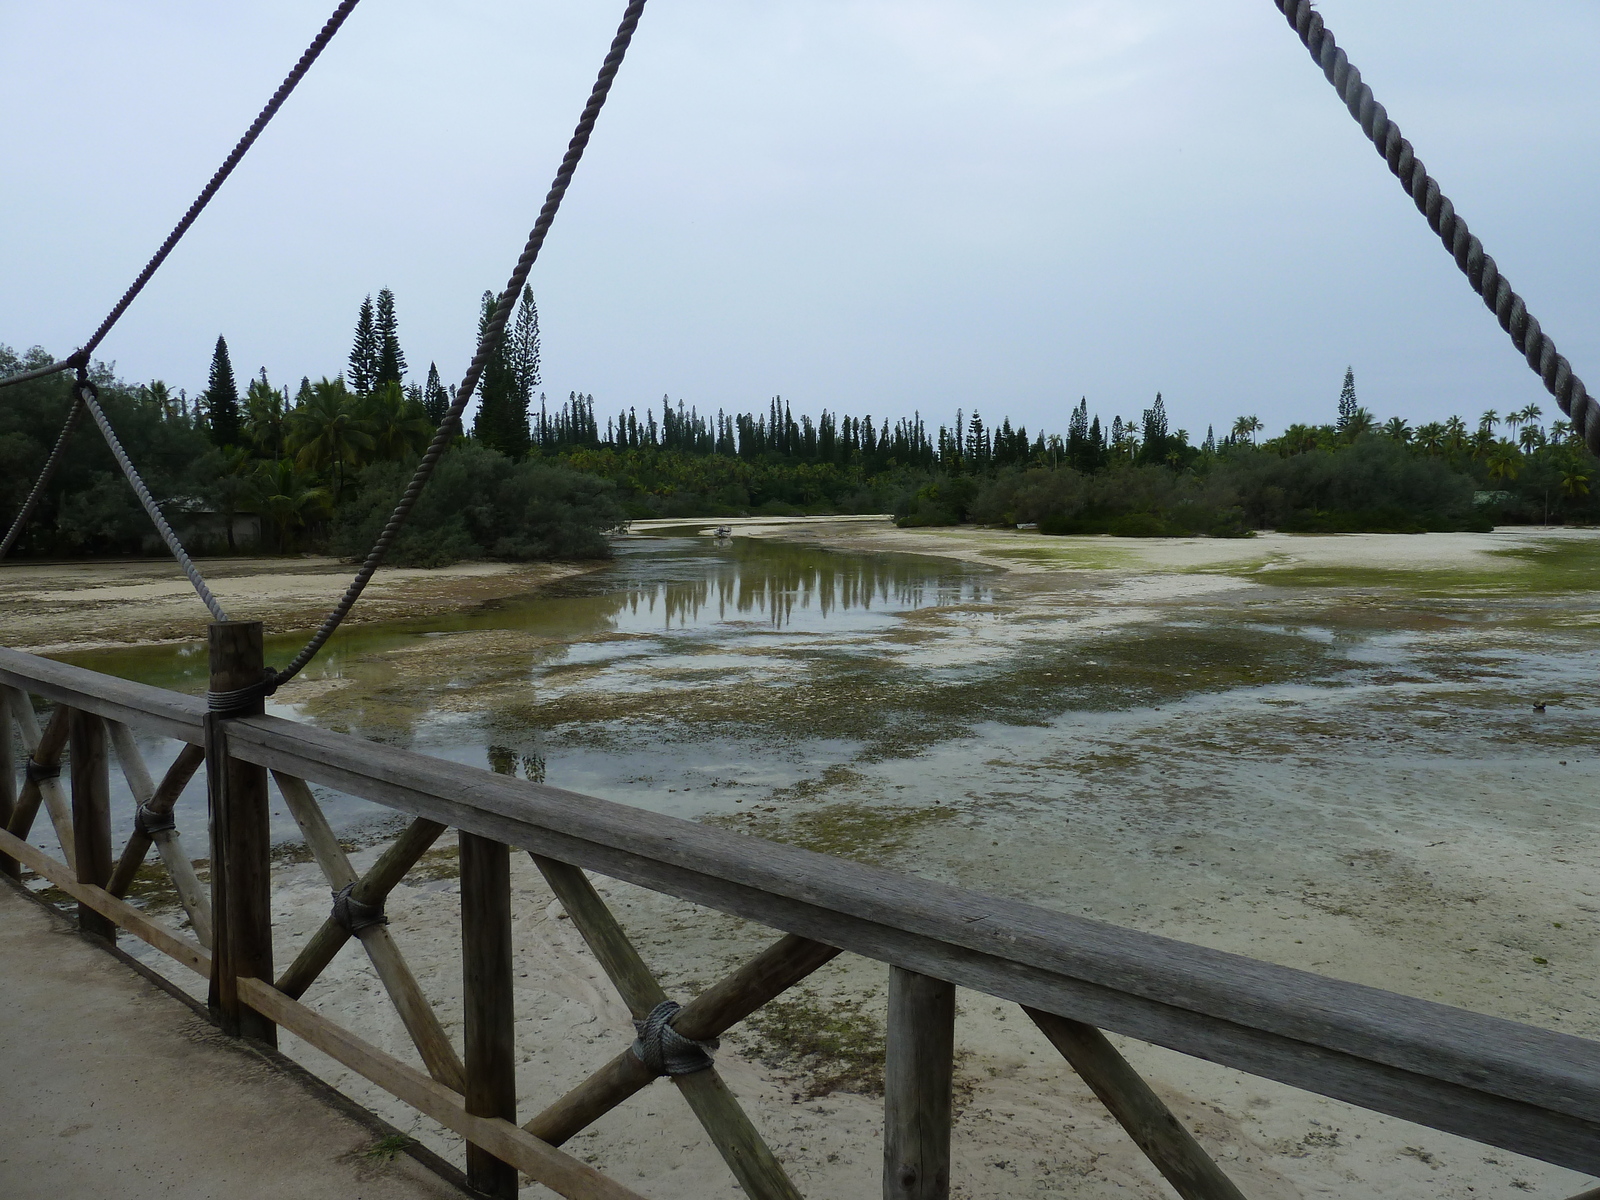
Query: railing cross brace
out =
(372, 888)
(159, 801)
(43, 748)
(749, 1158)
(417, 1014)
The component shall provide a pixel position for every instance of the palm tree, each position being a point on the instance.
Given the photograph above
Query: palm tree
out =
(1489, 420)
(1505, 463)
(1531, 438)
(1513, 420)
(398, 425)
(1430, 437)
(288, 498)
(263, 416)
(327, 434)
(1358, 423)
(1396, 428)
(1574, 481)
(1246, 428)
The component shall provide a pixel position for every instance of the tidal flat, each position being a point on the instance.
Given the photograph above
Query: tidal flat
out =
(1369, 756)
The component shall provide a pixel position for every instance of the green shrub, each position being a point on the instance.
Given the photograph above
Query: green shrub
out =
(480, 504)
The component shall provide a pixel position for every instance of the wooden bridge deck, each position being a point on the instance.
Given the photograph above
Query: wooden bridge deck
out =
(111, 1087)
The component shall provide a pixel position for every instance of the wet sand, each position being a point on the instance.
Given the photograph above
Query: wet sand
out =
(1317, 751)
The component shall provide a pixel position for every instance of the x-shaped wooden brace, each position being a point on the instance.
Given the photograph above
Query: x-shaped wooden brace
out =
(765, 977)
(157, 803)
(43, 748)
(415, 1012)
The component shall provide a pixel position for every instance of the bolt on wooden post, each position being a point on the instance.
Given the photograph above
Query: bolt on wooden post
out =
(241, 843)
(91, 813)
(917, 1081)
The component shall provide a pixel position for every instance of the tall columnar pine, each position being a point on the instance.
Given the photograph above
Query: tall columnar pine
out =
(1153, 442)
(390, 364)
(222, 398)
(524, 348)
(435, 397)
(364, 352)
(1347, 398)
(501, 422)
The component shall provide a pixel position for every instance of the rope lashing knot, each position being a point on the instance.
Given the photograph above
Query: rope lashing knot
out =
(149, 822)
(352, 915)
(37, 772)
(663, 1049)
(241, 702)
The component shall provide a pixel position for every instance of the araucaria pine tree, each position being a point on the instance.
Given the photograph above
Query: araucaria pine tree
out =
(1347, 397)
(391, 361)
(525, 349)
(222, 398)
(364, 352)
(501, 422)
(435, 397)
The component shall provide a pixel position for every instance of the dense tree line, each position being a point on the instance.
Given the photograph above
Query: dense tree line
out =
(319, 466)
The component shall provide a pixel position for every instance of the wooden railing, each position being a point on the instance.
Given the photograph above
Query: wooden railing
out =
(1505, 1084)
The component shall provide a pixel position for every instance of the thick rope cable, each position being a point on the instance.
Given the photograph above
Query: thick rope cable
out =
(486, 343)
(50, 465)
(1508, 307)
(87, 395)
(54, 368)
(80, 357)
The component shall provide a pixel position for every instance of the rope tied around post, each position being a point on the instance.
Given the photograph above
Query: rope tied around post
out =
(239, 702)
(352, 915)
(37, 772)
(665, 1051)
(149, 822)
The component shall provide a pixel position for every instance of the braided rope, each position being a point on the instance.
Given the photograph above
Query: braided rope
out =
(87, 393)
(54, 368)
(1508, 307)
(80, 358)
(486, 343)
(50, 465)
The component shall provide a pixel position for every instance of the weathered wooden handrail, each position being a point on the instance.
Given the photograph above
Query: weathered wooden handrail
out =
(1506, 1084)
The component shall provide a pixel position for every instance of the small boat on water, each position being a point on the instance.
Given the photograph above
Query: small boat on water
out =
(723, 531)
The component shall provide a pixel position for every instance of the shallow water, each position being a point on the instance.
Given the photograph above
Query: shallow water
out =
(1183, 752)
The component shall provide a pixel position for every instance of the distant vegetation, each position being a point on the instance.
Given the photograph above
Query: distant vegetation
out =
(320, 469)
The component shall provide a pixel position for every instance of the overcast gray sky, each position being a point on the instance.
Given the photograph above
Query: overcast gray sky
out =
(866, 205)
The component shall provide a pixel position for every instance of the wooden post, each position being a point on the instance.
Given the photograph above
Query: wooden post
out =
(917, 1080)
(241, 844)
(91, 813)
(8, 784)
(490, 1017)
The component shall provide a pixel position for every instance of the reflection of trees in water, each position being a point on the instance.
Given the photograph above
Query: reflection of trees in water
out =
(759, 586)
(505, 761)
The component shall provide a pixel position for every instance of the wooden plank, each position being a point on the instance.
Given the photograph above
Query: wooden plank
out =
(8, 782)
(747, 1154)
(1192, 1172)
(140, 705)
(91, 814)
(168, 843)
(487, 1003)
(917, 1079)
(43, 747)
(421, 1022)
(373, 888)
(1523, 1089)
(241, 845)
(174, 945)
(545, 1164)
(709, 1015)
